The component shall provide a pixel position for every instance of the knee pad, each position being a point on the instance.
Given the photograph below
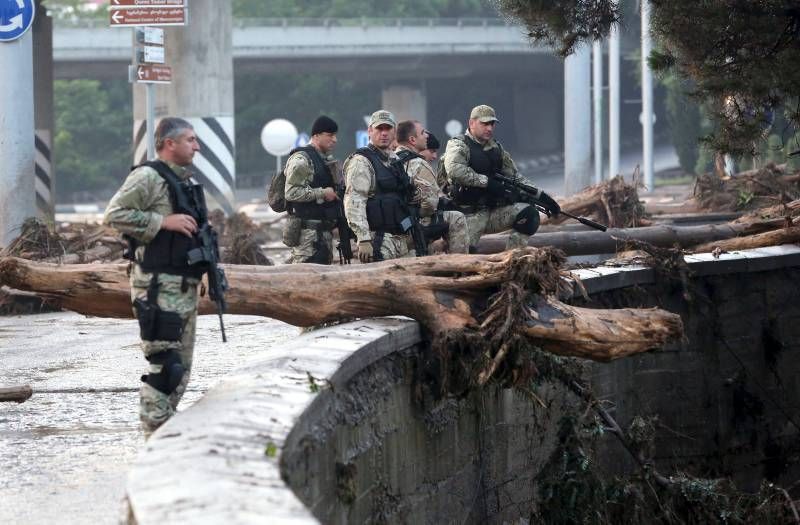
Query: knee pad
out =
(527, 221)
(170, 375)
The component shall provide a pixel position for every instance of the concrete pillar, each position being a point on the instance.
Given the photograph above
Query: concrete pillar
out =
(597, 109)
(406, 102)
(201, 57)
(577, 121)
(17, 200)
(43, 113)
(613, 102)
(647, 101)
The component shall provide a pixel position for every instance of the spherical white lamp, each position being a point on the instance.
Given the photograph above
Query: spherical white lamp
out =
(453, 127)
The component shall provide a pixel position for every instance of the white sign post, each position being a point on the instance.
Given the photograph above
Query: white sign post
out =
(148, 61)
(278, 137)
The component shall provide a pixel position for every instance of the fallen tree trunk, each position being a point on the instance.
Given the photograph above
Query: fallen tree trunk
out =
(694, 238)
(15, 393)
(446, 294)
(614, 240)
(759, 240)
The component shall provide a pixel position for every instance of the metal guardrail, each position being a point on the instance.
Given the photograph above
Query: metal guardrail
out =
(91, 23)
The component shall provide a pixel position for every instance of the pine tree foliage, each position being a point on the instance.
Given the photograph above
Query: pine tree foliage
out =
(742, 56)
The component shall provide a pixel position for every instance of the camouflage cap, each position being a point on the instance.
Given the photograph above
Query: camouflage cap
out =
(483, 113)
(382, 117)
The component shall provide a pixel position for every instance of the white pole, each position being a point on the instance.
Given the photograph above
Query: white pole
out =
(597, 91)
(613, 103)
(277, 165)
(577, 121)
(647, 100)
(151, 120)
(17, 178)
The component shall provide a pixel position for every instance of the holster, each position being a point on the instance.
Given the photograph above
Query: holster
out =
(156, 324)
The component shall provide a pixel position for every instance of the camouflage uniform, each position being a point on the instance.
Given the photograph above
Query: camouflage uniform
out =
(360, 186)
(426, 195)
(484, 219)
(299, 173)
(138, 209)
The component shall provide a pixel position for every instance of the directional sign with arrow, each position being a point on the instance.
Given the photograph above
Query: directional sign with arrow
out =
(16, 17)
(148, 3)
(147, 16)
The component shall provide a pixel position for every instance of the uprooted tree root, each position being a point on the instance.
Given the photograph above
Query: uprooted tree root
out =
(614, 203)
(761, 188)
(37, 240)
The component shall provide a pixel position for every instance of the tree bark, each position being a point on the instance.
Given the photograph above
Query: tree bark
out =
(613, 240)
(759, 240)
(15, 393)
(694, 238)
(445, 293)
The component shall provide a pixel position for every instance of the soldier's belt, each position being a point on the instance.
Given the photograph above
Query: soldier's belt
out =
(313, 224)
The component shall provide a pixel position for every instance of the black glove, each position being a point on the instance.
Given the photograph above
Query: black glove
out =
(496, 188)
(549, 204)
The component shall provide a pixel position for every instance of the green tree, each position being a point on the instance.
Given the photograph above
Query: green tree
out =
(92, 135)
(741, 56)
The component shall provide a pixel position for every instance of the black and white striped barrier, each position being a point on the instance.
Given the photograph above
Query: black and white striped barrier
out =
(213, 165)
(43, 166)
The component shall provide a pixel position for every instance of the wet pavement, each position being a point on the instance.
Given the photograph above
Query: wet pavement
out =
(65, 452)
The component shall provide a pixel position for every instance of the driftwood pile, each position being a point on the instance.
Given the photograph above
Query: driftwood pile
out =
(72, 243)
(614, 203)
(749, 190)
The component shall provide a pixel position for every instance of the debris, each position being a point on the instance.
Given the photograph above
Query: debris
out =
(16, 393)
(749, 190)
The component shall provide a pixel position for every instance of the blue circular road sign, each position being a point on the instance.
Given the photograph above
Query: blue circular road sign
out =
(16, 17)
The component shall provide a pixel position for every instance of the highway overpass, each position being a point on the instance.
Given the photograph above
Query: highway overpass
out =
(396, 48)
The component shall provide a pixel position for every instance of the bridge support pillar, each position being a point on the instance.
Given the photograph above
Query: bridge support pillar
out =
(43, 113)
(406, 102)
(17, 201)
(577, 121)
(201, 57)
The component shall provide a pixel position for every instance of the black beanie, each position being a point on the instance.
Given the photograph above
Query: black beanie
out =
(324, 124)
(433, 142)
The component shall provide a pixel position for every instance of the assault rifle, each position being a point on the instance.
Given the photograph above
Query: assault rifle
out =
(516, 191)
(208, 253)
(345, 233)
(418, 233)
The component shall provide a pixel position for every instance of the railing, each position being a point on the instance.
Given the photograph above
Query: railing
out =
(91, 23)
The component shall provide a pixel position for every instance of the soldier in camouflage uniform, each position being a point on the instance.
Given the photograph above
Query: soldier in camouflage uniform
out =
(143, 210)
(467, 160)
(376, 195)
(310, 196)
(412, 141)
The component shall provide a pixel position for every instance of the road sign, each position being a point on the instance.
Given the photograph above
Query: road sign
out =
(302, 140)
(150, 35)
(148, 3)
(16, 17)
(150, 55)
(147, 16)
(154, 74)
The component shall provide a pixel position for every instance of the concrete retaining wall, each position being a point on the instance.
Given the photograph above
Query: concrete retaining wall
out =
(337, 417)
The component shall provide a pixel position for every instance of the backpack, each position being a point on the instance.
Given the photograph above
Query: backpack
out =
(276, 196)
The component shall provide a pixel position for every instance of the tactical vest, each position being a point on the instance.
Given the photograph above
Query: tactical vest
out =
(483, 162)
(323, 178)
(168, 251)
(387, 210)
